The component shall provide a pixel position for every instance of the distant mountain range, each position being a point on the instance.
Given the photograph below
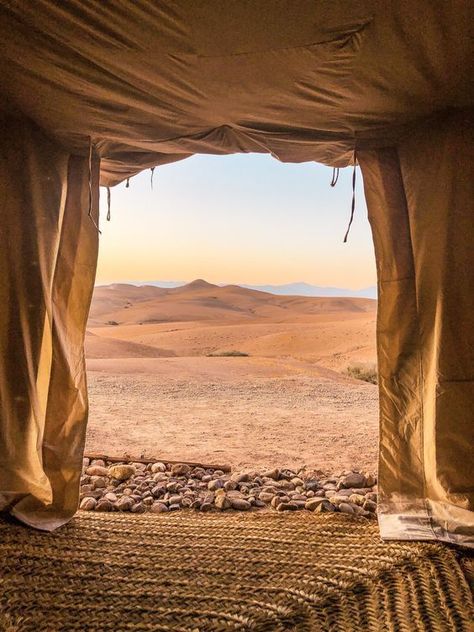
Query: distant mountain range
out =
(287, 289)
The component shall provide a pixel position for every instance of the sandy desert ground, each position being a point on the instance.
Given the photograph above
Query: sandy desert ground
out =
(154, 389)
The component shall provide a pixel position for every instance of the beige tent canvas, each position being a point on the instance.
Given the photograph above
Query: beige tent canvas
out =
(97, 92)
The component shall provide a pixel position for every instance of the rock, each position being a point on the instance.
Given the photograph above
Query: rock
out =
(284, 484)
(230, 485)
(174, 507)
(186, 502)
(370, 505)
(337, 500)
(138, 507)
(158, 508)
(371, 496)
(313, 503)
(88, 503)
(354, 479)
(104, 505)
(173, 486)
(180, 469)
(206, 507)
(175, 499)
(160, 477)
(243, 477)
(222, 502)
(346, 508)
(121, 472)
(215, 484)
(85, 462)
(291, 506)
(259, 503)
(370, 480)
(111, 497)
(297, 481)
(98, 482)
(273, 474)
(157, 467)
(85, 489)
(240, 504)
(98, 462)
(266, 497)
(124, 504)
(357, 499)
(312, 485)
(97, 470)
(325, 507)
(148, 501)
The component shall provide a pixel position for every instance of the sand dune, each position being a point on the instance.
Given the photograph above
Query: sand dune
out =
(154, 387)
(201, 318)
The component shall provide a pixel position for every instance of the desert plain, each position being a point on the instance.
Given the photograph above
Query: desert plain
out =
(229, 375)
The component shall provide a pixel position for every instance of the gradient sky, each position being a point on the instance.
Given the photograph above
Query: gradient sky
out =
(244, 218)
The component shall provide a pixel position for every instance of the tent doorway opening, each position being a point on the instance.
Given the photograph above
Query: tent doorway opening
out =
(222, 330)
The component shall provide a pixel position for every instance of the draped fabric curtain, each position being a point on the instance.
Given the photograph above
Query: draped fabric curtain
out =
(419, 197)
(48, 255)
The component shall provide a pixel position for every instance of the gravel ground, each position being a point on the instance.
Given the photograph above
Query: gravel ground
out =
(158, 488)
(228, 411)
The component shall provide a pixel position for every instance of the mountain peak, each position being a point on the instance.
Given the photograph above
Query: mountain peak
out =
(199, 284)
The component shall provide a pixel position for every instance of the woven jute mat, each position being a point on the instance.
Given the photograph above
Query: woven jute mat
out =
(202, 573)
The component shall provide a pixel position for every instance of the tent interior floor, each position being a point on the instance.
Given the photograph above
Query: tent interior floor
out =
(208, 572)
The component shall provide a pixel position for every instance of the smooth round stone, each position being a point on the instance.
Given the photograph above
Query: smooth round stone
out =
(369, 505)
(206, 506)
(180, 469)
(186, 502)
(240, 504)
(354, 479)
(99, 462)
(125, 503)
(215, 484)
(175, 499)
(291, 506)
(111, 497)
(266, 497)
(98, 482)
(88, 503)
(122, 472)
(174, 507)
(104, 505)
(346, 508)
(138, 507)
(97, 470)
(149, 500)
(158, 508)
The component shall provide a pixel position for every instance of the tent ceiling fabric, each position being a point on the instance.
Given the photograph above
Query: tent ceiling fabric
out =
(155, 82)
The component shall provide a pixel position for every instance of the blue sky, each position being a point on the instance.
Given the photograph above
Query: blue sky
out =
(244, 218)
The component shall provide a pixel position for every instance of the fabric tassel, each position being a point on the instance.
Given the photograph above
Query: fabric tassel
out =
(127, 184)
(108, 204)
(151, 177)
(335, 176)
(90, 186)
(353, 198)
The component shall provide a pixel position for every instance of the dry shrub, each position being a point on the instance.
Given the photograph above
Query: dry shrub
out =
(228, 354)
(365, 372)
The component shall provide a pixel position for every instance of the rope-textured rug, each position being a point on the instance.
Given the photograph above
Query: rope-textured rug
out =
(197, 572)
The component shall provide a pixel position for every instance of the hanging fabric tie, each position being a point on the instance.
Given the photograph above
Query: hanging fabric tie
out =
(127, 184)
(90, 186)
(353, 198)
(108, 204)
(151, 177)
(335, 176)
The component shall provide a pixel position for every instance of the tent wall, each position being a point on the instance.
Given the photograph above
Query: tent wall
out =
(48, 254)
(419, 196)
